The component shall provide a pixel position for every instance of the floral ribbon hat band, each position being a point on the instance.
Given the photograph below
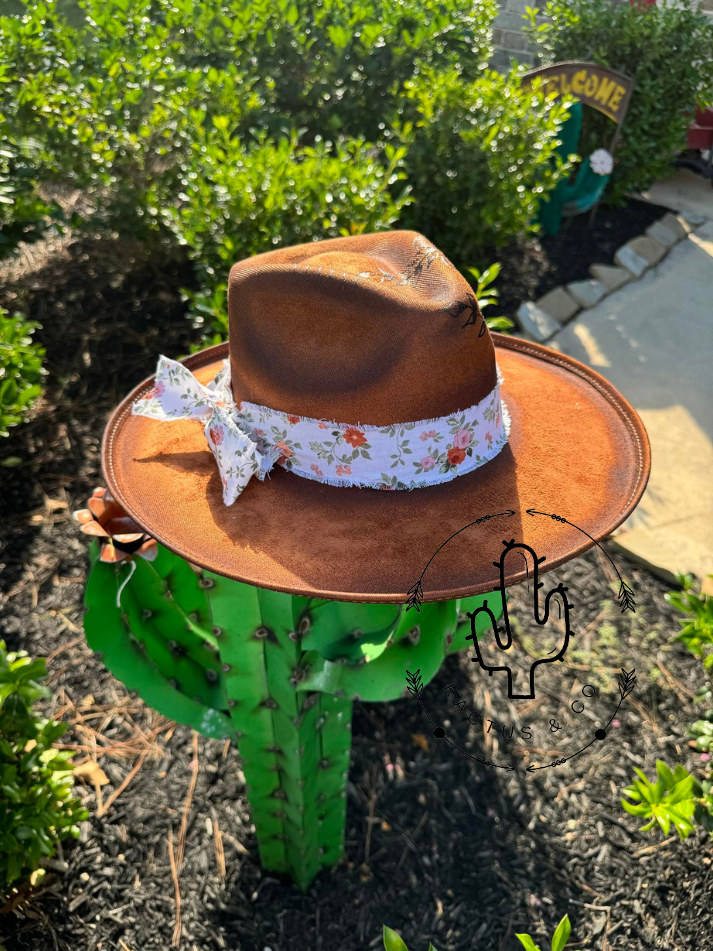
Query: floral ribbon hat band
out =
(248, 439)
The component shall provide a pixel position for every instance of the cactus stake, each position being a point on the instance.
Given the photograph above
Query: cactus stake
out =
(275, 673)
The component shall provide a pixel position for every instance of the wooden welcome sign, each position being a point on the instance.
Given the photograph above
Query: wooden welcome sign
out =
(596, 86)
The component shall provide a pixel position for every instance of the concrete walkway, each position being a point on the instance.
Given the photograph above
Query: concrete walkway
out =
(654, 340)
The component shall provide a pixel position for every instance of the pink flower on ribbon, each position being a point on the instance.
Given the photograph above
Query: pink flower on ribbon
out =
(427, 463)
(497, 419)
(158, 390)
(317, 471)
(216, 435)
(224, 481)
(427, 435)
(344, 470)
(259, 432)
(462, 439)
(324, 425)
(285, 450)
(489, 437)
(293, 419)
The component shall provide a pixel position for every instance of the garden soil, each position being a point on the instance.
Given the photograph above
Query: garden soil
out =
(439, 846)
(536, 265)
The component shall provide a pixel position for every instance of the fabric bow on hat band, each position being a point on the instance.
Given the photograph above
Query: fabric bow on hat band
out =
(247, 440)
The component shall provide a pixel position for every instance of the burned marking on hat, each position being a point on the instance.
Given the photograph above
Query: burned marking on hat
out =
(424, 257)
(470, 305)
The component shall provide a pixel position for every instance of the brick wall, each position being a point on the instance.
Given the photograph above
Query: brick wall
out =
(508, 38)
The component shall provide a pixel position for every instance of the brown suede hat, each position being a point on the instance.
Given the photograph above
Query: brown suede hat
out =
(372, 331)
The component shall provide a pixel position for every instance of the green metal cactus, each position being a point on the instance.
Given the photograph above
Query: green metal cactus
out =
(276, 673)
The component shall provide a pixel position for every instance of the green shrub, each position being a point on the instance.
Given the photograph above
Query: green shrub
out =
(480, 154)
(117, 104)
(132, 105)
(237, 201)
(487, 295)
(24, 215)
(20, 369)
(36, 805)
(664, 48)
(559, 938)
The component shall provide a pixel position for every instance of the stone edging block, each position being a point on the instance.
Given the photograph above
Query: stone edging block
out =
(558, 304)
(627, 258)
(587, 293)
(540, 320)
(651, 251)
(611, 277)
(535, 322)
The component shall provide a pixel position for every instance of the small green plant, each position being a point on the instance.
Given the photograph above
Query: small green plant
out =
(394, 941)
(37, 809)
(697, 624)
(559, 938)
(671, 800)
(20, 369)
(701, 732)
(487, 295)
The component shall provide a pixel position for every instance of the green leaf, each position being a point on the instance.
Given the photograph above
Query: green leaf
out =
(561, 935)
(392, 941)
(527, 942)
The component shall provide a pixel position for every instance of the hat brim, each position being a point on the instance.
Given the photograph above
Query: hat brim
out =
(576, 449)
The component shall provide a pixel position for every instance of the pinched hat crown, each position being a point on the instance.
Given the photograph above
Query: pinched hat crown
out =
(375, 329)
(342, 354)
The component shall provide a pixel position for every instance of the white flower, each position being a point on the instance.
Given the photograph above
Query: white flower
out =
(602, 162)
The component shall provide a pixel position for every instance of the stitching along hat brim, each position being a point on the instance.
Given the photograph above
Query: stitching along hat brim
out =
(577, 449)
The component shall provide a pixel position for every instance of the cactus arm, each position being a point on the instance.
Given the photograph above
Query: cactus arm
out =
(420, 641)
(108, 633)
(463, 629)
(165, 589)
(192, 678)
(385, 677)
(336, 628)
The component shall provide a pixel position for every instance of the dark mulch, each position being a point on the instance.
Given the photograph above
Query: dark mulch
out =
(533, 267)
(459, 853)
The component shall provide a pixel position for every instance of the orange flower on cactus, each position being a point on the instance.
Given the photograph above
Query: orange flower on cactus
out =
(355, 437)
(456, 456)
(120, 538)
